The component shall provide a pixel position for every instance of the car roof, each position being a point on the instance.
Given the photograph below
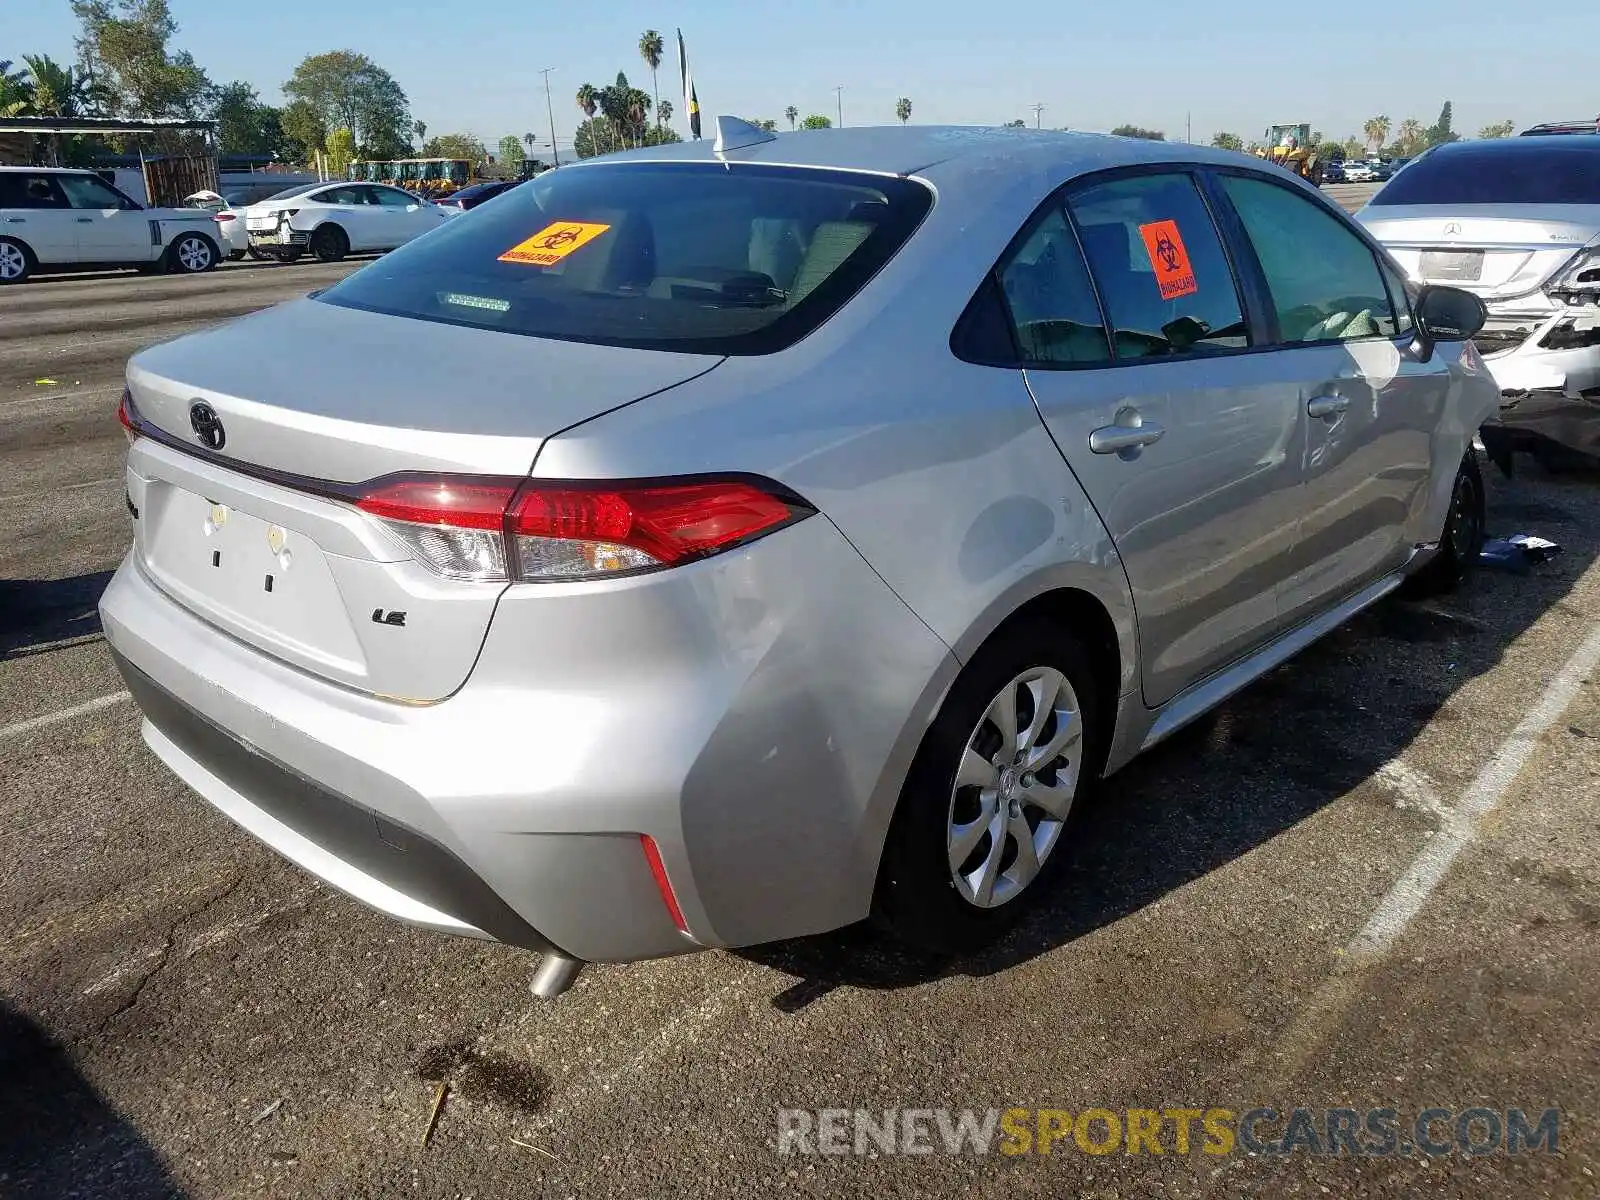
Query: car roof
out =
(1541, 146)
(51, 170)
(934, 150)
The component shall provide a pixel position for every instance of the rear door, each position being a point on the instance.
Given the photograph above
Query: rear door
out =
(1187, 445)
(34, 210)
(1370, 406)
(402, 217)
(355, 210)
(110, 227)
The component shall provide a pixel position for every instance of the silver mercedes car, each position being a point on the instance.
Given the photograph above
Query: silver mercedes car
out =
(730, 541)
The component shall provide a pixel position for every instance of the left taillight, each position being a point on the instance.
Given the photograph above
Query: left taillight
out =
(534, 531)
(222, 217)
(128, 416)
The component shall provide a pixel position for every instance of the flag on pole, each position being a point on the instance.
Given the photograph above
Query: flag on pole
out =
(691, 100)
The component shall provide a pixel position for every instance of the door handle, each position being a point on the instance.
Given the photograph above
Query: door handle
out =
(16, 220)
(85, 220)
(1113, 439)
(1327, 406)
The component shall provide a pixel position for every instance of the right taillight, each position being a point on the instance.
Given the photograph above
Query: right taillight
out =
(531, 531)
(127, 416)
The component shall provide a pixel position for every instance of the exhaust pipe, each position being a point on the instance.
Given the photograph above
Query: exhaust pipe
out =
(555, 975)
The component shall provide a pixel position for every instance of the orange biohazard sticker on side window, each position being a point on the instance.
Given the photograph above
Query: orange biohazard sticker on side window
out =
(553, 243)
(1174, 275)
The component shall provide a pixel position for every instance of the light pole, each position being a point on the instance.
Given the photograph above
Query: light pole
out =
(1037, 109)
(551, 110)
(838, 95)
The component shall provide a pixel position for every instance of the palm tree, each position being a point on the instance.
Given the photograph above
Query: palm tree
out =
(902, 109)
(1377, 131)
(58, 91)
(420, 128)
(528, 140)
(589, 100)
(651, 48)
(1410, 135)
(16, 93)
(793, 114)
(664, 113)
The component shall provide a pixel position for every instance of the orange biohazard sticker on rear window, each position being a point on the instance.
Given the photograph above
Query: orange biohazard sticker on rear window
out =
(1174, 275)
(553, 243)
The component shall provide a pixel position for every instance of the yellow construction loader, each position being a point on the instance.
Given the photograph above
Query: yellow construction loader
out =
(1290, 147)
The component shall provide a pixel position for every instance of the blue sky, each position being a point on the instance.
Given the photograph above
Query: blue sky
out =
(472, 65)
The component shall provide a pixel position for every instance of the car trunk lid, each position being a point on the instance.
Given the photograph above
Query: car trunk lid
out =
(259, 535)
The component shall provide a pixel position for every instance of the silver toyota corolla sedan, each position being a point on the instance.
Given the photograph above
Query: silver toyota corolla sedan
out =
(1517, 221)
(729, 541)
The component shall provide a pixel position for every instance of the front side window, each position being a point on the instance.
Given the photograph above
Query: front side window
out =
(1051, 300)
(1159, 264)
(391, 198)
(1324, 280)
(85, 191)
(695, 257)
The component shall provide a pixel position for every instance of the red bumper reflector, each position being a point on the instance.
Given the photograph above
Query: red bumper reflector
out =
(652, 855)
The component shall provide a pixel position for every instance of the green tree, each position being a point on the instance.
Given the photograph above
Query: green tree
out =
(651, 48)
(1136, 131)
(303, 126)
(1352, 147)
(1019, 123)
(1441, 131)
(902, 109)
(528, 140)
(1228, 141)
(511, 151)
(817, 121)
(1376, 130)
(59, 91)
(16, 93)
(597, 136)
(455, 145)
(341, 150)
(123, 47)
(350, 91)
(1500, 129)
(244, 124)
(420, 128)
(791, 114)
(588, 99)
(1410, 137)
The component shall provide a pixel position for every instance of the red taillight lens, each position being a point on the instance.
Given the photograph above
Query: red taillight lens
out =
(221, 217)
(127, 416)
(494, 528)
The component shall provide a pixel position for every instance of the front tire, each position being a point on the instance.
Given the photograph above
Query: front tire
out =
(976, 841)
(329, 244)
(192, 254)
(16, 262)
(1462, 538)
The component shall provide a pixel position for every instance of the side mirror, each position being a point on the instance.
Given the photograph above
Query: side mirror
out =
(1446, 314)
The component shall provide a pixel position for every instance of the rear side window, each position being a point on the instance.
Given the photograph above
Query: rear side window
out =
(1051, 300)
(19, 189)
(1560, 171)
(1160, 267)
(697, 257)
(1324, 279)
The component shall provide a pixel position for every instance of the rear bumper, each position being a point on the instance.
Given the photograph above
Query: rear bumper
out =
(753, 714)
(1542, 351)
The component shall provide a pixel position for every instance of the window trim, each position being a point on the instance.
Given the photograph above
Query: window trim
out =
(1250, 303)
(1248, 253)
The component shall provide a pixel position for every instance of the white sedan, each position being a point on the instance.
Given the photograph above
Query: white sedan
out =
(331, 220)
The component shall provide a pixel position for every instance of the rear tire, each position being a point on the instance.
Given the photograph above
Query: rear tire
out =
(16, 261)
(235, 255)
(955, 876)
(192, 254)
(329, 244)
(1462, 538)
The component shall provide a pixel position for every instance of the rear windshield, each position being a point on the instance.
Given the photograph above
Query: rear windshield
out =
(696, 257)
(1501, 172)
(298, 190)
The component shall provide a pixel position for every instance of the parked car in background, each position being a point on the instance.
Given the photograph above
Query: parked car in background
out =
(1563, 127)
(1358, 171)
(230, 224)
(55, 218)
(1517, 222)
(1333, 171)
(331, 220)
(862, 530)
(471, 197)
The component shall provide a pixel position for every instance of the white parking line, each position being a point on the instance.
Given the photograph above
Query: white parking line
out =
(66, 714)
(1405, 899)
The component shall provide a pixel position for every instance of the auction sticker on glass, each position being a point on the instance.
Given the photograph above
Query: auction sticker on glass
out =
(553, 243)
(1174, 275)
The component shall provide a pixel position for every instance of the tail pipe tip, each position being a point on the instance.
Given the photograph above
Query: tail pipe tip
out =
(555, 975)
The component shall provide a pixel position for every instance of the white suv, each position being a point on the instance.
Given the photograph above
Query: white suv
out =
(334, 219)
(50, 217)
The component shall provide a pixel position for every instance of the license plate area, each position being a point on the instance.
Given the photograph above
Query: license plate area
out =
(1453, 266)
(269, 584)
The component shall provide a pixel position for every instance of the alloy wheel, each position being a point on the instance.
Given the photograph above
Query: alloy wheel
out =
(13, 263)
(194, 254)
(1014, 787)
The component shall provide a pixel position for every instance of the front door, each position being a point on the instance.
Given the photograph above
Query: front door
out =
(110, 227)
(1185, 444)
(1371, 406)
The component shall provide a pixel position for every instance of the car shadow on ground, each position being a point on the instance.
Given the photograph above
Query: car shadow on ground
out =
(37, 613)
(1293, 742)
(58, 1136)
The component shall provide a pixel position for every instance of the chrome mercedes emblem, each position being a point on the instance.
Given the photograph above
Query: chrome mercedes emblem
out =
(1452, 230)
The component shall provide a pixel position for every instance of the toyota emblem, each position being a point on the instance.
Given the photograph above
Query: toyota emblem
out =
(207, 425)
